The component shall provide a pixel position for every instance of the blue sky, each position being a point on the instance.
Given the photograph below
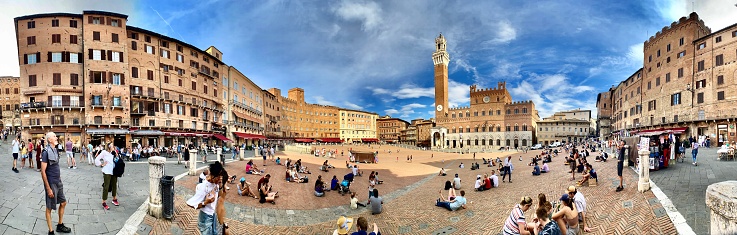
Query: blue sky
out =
(376, 55)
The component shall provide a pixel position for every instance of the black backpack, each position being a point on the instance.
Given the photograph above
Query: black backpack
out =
(119, 167)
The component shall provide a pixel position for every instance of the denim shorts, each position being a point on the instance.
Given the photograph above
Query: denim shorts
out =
(207, 224)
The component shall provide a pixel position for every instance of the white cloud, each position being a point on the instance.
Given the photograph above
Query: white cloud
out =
(553, 92)
(505, 70)
(716, 14)
(391, 112)
(321, 100)
(458, 94)
(408, 109)
(369, 13)
(352, 105)
(505, 33)
(406, 91)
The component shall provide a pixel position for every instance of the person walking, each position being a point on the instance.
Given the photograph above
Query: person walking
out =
(507, 169)
(51, 175)
(694, 152)
(206, 198)
(16, 151)
(70, 154)
(110, 182)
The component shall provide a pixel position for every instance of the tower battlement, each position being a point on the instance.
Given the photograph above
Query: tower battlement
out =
(675, 25)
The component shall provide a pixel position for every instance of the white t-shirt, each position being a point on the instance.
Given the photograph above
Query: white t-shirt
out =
(202, 191)
(457, 182)
(107, 158)
(479, 183)
(16, 146)
(355, 171)
(580, 202)
(354, 203)
(494, 180)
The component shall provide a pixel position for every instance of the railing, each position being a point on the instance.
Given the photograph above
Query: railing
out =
(144, 94)
(105, 121)
(246, 107)
(33, 122)
(32, 105)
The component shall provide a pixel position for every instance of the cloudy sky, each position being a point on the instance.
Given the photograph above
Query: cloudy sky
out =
(376, 55)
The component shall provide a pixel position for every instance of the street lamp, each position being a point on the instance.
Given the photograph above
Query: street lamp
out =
(690, 89)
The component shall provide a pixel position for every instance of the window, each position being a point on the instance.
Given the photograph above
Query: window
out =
(31, 24)
(116, 101)
(675, 99)
(194, 125)
(651, 105)
(702, 46)
(180, 82)
(667, 60)
(56, 78)
(658, 53)
(657, 81)
(166, 79)
(56, 101)
(96, 36)
(167, 108)
(115, 37)
(147, 38)
(31, 80)
(680, 72)
(114, 23)
(56, 57)
(149, 49)
(164, 53)
(98, 77)
(31, 40)
(151, 122)
(701, 66)
(194, 85)
(667, 48)
(134, 72)
(96, 54)
(73, 23)
(701, 83)
(681, 54)
(56, 38)
(55, 23)
(116, 79)
(720, 95)
(667, 77)
(73, 39)
(74, 101)
(700, 97)
(718, 39)
(150, 74)
(680, 42)
(734, 33)
(180, 58)
(720, 79)
(649, 85)
(96, 20)
(31, 58)
(74, 79)
(719, 60)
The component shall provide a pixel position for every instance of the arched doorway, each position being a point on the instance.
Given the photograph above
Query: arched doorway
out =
(524, 143)
(454, 144)
(436, 139)
(508, 144)
(498, 142)
(516, 143)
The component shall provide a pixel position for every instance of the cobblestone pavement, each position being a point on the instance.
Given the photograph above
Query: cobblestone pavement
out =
(685, 185)
(412, 210)
(22, 202)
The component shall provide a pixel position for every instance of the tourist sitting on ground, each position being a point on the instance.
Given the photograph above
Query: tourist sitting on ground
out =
(581, 165)
(590, 174)
(344, 225)
(356, 171)
(542, 225)
(376, 177)
(265, 194)
(487, 182)
(602, 157)
(347, 165)
(452, 204)
(515, 222)
(520, 158)
(232, 179)
(457, 182)
(485, 162)
(319, 187)
(545, 168)
(442, 172)
(547, 159)
(334, 183)
(203, 175)
(461, 165)
(475, 166)
(324, 167)
(479, 185)
(567, 216)
(251, 168)
(296, 178)
(536, 170)
(278, 161)
(244, 189)
(376, 202)
(362, 226)
(354, 201)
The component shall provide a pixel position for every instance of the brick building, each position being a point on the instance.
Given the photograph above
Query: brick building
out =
(305, 122)
(10, 101)
(272, 116)
(687, 84)
(604, 114)
(357, 126)
(565, 127)
(491, 120)
(91, 77)
(245, 113)
(423, 131)
(389, 129)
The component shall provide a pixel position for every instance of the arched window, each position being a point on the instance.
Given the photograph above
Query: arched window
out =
(460, 115)
(524, 127)
(524, 110)
(498, 142)
(516, 127)
(453, 115)
(508, 143)
(509, 111)
(516, 111)
(524, 142)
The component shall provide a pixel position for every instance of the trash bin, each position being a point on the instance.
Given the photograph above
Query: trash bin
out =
(167, 196)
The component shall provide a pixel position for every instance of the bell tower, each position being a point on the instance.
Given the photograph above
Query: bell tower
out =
(441, 59)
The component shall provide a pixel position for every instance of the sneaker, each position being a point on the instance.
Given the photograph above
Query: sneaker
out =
(51, 232)
(63, 229)
(74, 167)
(104, 205)
(115, 202)
(619, 189)
(70, 167)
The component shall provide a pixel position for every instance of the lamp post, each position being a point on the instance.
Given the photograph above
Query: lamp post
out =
(690, 89)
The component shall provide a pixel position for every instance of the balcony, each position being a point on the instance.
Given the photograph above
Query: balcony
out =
(246, 107)
(114, 122)
(137, 93)
(53, 122)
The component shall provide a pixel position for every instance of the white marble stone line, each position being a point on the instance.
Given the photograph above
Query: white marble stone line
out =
(678, 220)
(131, 225)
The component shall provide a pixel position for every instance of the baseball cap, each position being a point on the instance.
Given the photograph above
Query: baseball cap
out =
(564, 197)
(243, 179)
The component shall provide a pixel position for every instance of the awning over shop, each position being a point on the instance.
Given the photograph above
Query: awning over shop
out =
(330, 140)
(147, 132)
(179, 134)
(221, 137)
(107, 131)
(304, 140)
(370, 140)
(677, 130)
(249, 136)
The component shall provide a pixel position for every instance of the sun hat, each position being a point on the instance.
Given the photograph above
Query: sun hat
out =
(571, 189)
(344, 224)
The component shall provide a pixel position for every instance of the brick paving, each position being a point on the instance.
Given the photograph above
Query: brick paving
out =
(412, 211)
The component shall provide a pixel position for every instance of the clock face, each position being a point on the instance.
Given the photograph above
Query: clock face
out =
(440, 107)
(487, 99)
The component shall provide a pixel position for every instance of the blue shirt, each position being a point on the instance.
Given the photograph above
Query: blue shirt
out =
(459, 201)
(551, 228)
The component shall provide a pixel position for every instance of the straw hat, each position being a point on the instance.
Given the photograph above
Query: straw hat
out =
(344, 225)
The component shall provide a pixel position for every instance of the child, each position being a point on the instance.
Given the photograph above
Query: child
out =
(354, 201)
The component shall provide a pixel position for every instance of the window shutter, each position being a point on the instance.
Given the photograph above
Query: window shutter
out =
(81, 101)
(108, 20)
(65, 56)
(120, 57)
(110, 75)
(65, 100)
(48, 59)
(110, 55)
(122, 79)
(168, 55)
(153, 50)
(133, 45)
(38, 57)
(49, 104)
(92, 78)
(89, 19)
(80, 57)
(62, 119)
(90, 53)
(104, 79)
(102, 54)
(25, 59)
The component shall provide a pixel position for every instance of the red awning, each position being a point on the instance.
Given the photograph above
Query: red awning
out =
(249, 136)
(304, 140)
(370, 140)
(330, 140)
(221, 137)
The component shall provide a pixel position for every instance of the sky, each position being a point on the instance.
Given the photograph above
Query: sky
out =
(377, 55)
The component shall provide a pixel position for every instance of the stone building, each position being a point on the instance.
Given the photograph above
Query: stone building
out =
(389, 129)
(604, 114)
(423, 129)
(91, 77)
(357, 126)
(10, 101)
(408, 136)
(245, 113)
(272, 116)
(686, 86)
(564, 127)
(492, 120)
(305, 122)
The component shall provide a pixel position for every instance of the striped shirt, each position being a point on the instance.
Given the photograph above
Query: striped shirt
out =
(516, 216)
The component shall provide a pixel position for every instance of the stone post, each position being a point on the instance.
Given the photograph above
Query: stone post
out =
(721, 198)
(626, 156)
(242, 154)
(219, 155)
(643, 184)
(192, 162)
(155, 173)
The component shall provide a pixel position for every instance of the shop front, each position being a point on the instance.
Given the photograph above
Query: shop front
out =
(147, 137)
(108, 135)
(663, 145)
(249, 139)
